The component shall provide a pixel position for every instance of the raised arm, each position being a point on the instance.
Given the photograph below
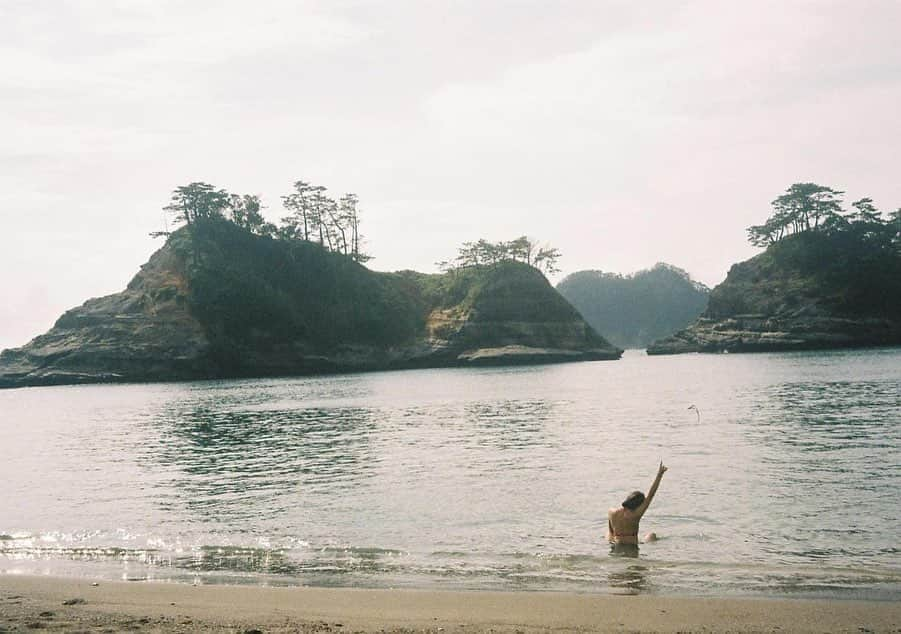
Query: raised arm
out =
(650, 496)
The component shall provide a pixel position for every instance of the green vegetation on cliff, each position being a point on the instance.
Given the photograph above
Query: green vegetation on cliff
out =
(848, 261)
(829, 278)
(634, 310)
(846, 273)
(248, 287)
(253, 294)
(845, 262)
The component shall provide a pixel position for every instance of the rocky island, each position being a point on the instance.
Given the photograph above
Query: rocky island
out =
(219, 301)
(827, 279)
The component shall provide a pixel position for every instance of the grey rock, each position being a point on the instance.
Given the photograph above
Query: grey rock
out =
(779, 333)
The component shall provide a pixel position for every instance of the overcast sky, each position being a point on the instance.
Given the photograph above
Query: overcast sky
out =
(623, 133)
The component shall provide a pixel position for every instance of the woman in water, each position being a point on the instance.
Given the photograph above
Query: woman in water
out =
(622, 522)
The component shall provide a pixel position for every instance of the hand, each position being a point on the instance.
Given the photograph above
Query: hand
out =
(661, 470)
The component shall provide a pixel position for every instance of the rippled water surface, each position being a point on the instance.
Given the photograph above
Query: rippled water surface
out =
(787, 484)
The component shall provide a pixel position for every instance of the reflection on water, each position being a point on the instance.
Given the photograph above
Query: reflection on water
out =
(245, 462)
(624, 550)
(477, 478)
(631, 579)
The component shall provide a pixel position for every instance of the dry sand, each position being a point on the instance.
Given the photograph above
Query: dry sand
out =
(75, 605)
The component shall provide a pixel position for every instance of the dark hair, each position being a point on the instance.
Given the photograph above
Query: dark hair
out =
(635, 499)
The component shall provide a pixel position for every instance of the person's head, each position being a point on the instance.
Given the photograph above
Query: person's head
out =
(635, 499)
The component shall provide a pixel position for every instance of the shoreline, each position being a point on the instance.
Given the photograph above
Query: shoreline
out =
(30, 602)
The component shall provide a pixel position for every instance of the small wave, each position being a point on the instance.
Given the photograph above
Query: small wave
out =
(377, 566)
(362, 551)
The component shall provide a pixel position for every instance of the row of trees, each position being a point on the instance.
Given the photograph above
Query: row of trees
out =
(316, 217)
(812, 207)
(522, 249)
(312, 215)
(335, 224)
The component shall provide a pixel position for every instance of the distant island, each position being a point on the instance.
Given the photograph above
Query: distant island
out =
(829, 278)
(230, 295)
(632, 311)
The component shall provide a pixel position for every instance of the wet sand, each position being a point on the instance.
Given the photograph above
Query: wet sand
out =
(28, 603)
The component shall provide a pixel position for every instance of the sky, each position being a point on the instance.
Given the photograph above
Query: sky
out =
(621, 133)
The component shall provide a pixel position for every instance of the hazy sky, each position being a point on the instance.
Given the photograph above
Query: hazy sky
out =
(623, 133)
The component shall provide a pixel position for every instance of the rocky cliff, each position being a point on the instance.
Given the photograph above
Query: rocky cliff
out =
(217, 301)
(809, 291)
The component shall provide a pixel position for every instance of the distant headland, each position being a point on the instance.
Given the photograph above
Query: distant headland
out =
(632, 311)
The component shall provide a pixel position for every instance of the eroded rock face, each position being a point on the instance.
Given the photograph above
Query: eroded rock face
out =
(154, 331)
(513, 342)
(772, 303)
(515, 317)
(757, 333)
(145, 332)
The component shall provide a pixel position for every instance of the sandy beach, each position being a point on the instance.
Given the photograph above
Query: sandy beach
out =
(28, 603)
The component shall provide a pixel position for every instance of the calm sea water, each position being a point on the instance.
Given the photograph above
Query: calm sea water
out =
(786, 485)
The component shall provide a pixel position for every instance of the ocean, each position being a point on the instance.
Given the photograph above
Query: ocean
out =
(783, 480)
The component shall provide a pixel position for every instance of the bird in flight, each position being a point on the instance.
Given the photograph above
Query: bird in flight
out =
(697, 411)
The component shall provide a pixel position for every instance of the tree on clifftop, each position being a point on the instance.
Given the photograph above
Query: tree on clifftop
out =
(317, 217)
(196, 201)
(245, 211)
(349, 216)
(803, 207)
(522, 249)
(200, 201)
(895, 227)
(312, 215)
(808, 207)
(299, 206)
(546, 260)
